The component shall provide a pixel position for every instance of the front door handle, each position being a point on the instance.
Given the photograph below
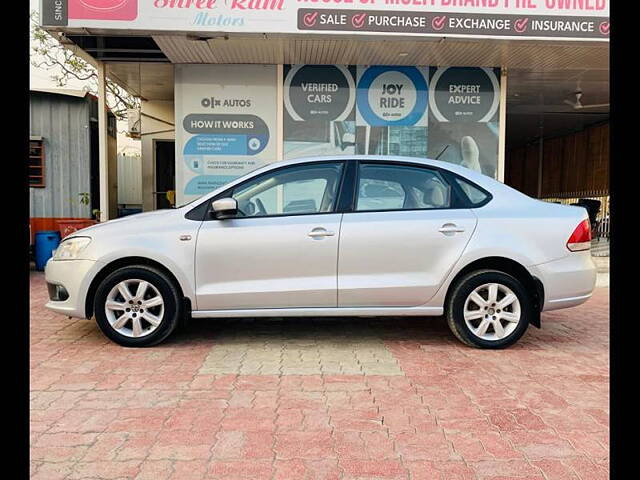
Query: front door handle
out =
(450, 228)
(320, 232)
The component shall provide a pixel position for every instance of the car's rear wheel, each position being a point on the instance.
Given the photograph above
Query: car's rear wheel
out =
(489, 309)
(137, 306)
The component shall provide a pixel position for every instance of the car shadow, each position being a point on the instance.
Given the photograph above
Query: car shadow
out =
(560, 329)
(325, 329)
(425, 331)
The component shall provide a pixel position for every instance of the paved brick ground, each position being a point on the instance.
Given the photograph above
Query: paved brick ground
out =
(320, 399)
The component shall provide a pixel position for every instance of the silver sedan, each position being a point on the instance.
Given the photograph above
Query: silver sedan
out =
(333, 236)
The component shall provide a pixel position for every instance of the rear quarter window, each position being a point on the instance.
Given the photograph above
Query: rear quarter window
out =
(475, 196)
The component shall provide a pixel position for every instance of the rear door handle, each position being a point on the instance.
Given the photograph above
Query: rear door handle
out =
(450, 228)
(320, 232)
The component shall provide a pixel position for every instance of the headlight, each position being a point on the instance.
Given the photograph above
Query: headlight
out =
(69, 249)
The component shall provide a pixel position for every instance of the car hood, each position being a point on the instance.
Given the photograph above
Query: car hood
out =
(137, 219)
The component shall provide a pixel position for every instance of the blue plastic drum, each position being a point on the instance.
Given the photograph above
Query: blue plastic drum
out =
(46, 242)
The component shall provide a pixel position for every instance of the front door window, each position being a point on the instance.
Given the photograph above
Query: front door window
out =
(297, 190)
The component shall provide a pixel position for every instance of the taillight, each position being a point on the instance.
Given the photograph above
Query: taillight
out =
(580, 239)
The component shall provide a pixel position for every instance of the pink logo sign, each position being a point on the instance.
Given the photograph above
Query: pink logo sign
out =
(310, 19)
(358, 20)
(438, 22)
(103, 9)
(520, 25)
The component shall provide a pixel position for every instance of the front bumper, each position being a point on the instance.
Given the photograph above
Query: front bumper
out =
(568, 281)
(75, 277)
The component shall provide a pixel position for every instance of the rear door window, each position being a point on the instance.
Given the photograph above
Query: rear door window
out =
(400, 187)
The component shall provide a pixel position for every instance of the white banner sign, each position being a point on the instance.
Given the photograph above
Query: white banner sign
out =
(225, 124)
(571, 19)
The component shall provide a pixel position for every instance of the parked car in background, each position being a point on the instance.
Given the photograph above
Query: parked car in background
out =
(333, 236)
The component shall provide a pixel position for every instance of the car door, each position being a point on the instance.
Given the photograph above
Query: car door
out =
(402, 238)
(280, 251)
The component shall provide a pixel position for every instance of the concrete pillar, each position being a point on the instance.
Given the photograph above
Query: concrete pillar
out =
(103, 146)
(280, 112)
(540, 159)
(502, 136)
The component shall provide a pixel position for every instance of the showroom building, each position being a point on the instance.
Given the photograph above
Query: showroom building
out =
(517, 89)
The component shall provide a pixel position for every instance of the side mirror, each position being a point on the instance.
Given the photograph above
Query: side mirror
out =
(225, 208)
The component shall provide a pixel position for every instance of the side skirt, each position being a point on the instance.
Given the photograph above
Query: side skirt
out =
(321, 312)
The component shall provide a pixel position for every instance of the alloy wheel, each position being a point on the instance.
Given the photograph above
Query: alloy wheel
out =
(134, 308)
(492, 311)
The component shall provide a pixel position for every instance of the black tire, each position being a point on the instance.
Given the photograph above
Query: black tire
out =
(454, 309)
(165, 286)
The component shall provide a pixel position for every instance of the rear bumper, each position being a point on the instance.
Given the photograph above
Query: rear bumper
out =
(568, 281)
(75, 276)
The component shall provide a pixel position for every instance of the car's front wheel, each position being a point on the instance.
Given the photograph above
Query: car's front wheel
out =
(137, 306)
(489, 309)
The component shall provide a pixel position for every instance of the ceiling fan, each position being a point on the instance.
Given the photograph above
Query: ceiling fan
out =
(577, 105)
(578, 108)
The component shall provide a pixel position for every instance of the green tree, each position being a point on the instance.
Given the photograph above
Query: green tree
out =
(49, 54)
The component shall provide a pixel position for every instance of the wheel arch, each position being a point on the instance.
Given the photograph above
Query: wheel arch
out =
(510, 267)
(129, 262)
